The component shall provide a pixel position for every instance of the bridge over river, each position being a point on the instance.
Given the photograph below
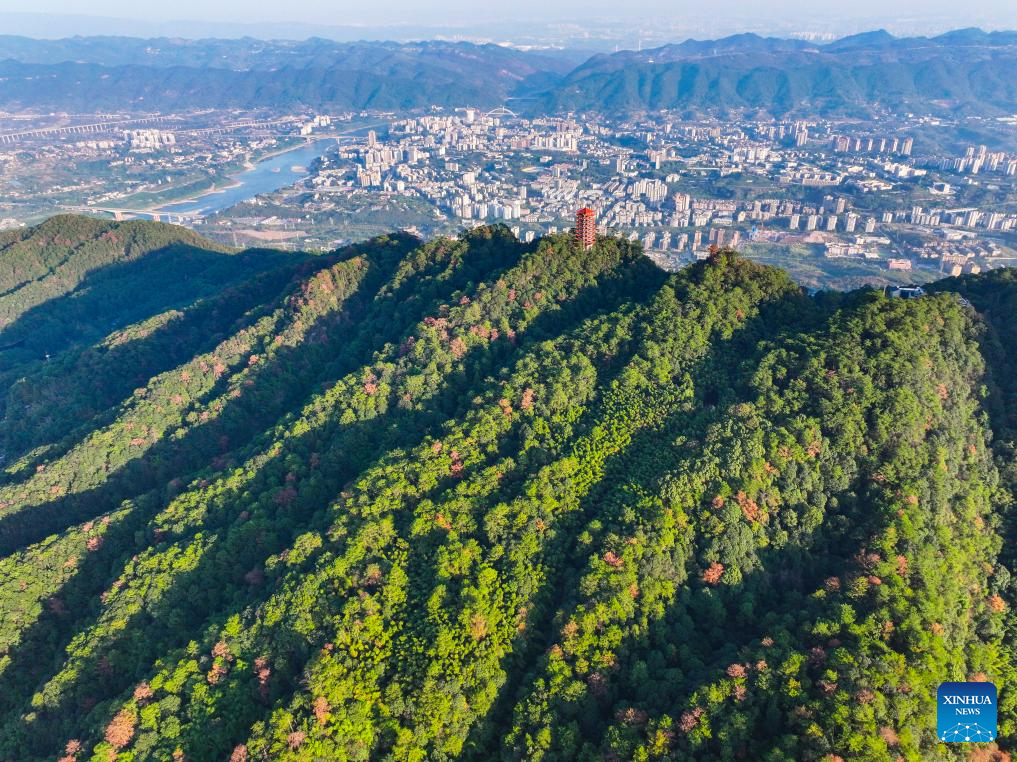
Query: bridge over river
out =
(131, 214)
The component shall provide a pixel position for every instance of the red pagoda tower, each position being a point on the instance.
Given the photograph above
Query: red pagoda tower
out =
(586, 227)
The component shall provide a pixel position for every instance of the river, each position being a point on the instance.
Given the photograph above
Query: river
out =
(267, 175)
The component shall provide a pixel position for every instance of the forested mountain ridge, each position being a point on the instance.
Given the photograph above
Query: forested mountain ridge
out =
(479, 499)
(77, 289)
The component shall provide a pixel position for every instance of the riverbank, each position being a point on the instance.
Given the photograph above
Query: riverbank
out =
(224, 180)
(273, 171)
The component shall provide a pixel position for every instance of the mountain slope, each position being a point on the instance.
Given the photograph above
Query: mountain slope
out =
(77, 296)
(478, 499)
(73, 279)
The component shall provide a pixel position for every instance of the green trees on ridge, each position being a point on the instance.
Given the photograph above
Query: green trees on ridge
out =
(476, 499)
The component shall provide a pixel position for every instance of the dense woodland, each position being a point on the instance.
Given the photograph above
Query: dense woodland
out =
(478, 499)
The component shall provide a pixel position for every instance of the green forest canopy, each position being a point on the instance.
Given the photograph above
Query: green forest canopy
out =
(478, 499)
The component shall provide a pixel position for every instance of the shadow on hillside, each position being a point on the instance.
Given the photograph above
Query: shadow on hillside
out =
(84, 387)
(706, 629)
(126, 292)
(112, 298)
(79, 391)
(712, 628)
(448, 403)
(703, 630)
(719, 381)
(190, 603)
(66, 398)
(275, 385)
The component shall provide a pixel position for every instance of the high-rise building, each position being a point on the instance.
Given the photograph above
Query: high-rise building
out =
(586, 227)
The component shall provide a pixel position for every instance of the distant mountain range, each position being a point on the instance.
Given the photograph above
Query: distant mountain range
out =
(166, 74)
(965, 71)
(248, 53)
(51, 26)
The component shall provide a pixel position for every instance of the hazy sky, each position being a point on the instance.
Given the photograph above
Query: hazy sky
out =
(443, 12)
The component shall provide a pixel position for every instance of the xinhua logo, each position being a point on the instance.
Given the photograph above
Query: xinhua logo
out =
(967, 712)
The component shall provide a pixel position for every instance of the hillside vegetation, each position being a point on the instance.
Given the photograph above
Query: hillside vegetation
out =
(478, 499)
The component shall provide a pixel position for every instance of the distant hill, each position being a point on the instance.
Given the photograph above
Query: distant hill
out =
(92, 276)
(246, 53)
(479, 499)
(962, 72)
(82, 73)
(72, 282)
